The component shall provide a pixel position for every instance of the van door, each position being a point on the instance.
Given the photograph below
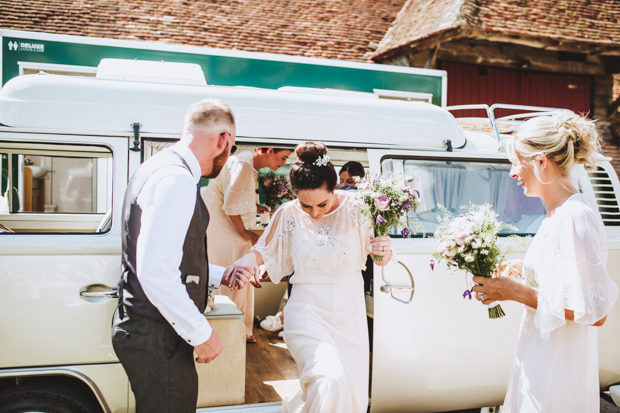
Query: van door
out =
(426, 335)
(59, 247)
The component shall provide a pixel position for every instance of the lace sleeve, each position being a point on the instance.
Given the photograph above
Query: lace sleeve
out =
(575, 276)
(275, 245)
(240, 186)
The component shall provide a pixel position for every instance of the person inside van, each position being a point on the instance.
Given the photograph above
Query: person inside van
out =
(233, 203)
(348, 174)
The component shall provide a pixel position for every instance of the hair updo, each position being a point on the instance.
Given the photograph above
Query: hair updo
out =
(565, 138)
(305, 174)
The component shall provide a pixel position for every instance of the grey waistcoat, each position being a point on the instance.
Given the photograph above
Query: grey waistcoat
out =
(194, 261)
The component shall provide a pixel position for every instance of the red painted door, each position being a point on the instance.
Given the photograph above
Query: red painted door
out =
(468, 84)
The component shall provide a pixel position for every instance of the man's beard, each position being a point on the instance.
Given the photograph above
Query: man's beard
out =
(218, 164)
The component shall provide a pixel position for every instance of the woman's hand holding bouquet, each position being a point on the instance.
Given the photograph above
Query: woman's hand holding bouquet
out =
(470, 242)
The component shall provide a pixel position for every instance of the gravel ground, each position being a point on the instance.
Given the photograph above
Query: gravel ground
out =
(607, 406)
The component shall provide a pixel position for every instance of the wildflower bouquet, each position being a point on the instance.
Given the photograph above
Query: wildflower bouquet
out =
(276, 188)
(469, 242)
(387, 201)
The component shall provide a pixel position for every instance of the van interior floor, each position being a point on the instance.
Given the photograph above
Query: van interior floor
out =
(270, 371)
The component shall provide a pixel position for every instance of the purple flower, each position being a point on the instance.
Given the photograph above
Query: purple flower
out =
(405, 232)
(468, 292)
(406, 206)
(380, 220)
(267, 181)
(432, 264)
(460, 216)
(415, 193)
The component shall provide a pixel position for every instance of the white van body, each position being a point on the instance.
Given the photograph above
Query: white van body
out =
(424, 339)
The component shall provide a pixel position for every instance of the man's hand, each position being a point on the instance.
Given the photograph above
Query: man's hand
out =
(232, 279)
(209, 350)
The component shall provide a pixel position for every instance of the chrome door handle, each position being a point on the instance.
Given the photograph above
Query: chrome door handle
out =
(387, 288)
(100, 294)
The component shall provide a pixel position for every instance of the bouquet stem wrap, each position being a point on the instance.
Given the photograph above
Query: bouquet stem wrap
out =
(495, 310)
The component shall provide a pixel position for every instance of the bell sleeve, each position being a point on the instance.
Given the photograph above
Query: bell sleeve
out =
(575, 275)
(275, 245)
(240, 187)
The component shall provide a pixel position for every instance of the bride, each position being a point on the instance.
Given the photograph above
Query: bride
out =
(325, 239)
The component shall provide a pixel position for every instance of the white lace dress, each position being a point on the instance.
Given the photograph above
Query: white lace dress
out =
(233, 192)
(556, 364)
(325, 318)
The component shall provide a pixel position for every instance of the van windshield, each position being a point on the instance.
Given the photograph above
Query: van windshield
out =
(456, 184)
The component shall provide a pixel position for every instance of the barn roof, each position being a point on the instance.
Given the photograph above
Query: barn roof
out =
(343, 29)
(583, 22)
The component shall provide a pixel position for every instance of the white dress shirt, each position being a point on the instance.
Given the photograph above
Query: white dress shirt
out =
(167, 200)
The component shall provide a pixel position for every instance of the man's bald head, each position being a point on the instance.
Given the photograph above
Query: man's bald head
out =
(208, 114)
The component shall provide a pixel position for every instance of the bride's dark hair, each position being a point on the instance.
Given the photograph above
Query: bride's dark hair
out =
(306, 174)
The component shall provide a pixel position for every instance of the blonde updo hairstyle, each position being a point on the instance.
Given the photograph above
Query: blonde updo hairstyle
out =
(566, 138)
(306, 174)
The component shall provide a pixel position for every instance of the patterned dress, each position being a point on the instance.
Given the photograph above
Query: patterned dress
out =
(556, 364)
(325, 318)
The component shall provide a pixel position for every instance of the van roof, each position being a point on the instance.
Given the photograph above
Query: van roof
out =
(64, 103)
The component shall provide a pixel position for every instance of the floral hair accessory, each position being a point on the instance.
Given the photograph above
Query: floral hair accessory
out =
(321, 160)
(561, 117)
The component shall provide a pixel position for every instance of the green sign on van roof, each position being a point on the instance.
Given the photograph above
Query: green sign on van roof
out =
(27, 52)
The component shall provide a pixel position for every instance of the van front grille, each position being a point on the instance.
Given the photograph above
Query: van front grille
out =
(606, 198)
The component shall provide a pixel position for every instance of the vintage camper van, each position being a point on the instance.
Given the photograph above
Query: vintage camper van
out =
(68, 146)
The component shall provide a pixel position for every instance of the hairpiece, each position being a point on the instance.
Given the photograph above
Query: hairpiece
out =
(321, 160)
(561, 117)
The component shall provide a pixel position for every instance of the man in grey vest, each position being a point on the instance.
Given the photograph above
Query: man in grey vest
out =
(159, 322)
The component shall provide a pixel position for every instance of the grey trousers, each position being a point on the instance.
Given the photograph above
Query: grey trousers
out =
(159, 364)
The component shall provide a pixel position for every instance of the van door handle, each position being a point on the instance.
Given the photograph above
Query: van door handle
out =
(387, 288)
(99, 294)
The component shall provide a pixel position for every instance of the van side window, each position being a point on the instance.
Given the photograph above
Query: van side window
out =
(55, 188)
(456, 184)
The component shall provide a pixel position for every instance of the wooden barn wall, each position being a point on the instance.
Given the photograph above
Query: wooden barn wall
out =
(468, 84)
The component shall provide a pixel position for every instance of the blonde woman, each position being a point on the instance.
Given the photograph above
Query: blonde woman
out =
(232, 203)
(566, 290)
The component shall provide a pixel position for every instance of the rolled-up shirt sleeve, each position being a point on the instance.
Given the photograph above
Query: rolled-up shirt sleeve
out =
(167, 201)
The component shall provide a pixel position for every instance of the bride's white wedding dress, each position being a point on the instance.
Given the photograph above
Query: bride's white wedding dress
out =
(325, 318)
(556, 364)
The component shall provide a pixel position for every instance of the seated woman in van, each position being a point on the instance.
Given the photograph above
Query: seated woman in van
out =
(232, 203)
(325, 239)
(348, 174)
(566, 289)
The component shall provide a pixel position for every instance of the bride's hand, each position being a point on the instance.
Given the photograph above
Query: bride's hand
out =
(231, 280)
(381, 245)
(248, 269)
